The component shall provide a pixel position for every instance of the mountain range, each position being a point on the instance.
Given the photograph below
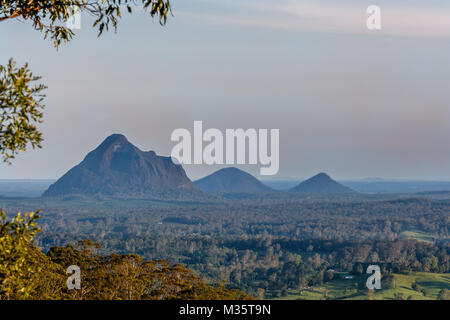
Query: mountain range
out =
(117, 168)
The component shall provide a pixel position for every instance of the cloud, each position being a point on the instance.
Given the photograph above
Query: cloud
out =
(327, 16)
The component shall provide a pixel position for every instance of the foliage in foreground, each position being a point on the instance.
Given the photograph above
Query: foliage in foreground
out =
(21, 108)
(27, 273)
(50, 17)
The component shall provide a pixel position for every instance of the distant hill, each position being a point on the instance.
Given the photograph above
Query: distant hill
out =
(230, 180)
(397, 186)
(321, 184)
(23, 187)
(118, 168)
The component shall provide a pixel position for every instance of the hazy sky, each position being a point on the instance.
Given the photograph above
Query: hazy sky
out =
(348, 101)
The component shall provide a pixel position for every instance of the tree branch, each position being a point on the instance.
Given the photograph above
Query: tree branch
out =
(11, 16)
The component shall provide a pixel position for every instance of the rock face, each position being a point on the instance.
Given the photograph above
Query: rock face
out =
(321, 184)
(118, 168)
(229, 180)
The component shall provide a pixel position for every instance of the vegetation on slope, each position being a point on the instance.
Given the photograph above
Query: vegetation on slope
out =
(27, 273)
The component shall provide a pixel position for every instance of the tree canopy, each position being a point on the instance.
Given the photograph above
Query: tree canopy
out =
(50, 16)
(27, 273)
(21, 97)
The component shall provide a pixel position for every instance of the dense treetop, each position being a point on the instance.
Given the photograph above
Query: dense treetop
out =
(27, 273)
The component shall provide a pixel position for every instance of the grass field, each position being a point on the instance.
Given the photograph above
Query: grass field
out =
(354, 289)
(417, 235)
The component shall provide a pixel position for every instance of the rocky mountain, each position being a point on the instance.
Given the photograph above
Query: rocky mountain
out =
(321, 184)
(118, 168)
(229, 180)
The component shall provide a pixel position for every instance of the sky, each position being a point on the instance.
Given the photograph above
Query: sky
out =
(348, 101)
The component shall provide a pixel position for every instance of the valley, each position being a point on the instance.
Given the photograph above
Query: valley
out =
(230, 228)
(264, 246)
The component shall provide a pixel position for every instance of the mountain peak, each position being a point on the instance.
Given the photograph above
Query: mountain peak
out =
(118, 168)
(231, 170)
(322, 175)
(321, 183)
(114, 139)
(230, 180)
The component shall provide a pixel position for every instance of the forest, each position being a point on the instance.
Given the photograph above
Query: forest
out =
(263, 248)
(28, 273)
